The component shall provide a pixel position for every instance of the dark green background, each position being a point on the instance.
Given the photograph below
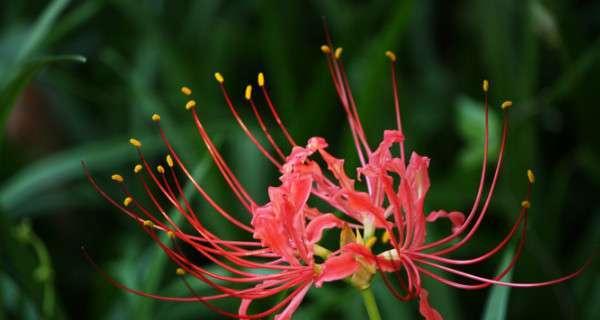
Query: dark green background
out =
(56, 111)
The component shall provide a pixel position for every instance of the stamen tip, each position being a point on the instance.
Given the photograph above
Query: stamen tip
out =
(135, 142)
(338, 52)
(169, 160)
(391, 55)
(261, 79)
(219, 77)
(530, 176)
(325, 49)
(117, 178)
(180, 272)
(486, 85)
(156, 117)
(526, 204)
(371, 242)
(190, 104)
(248, 93)
(137, 168)
(148, 223)
(160, 169)
(185, 90)
(127, 201)
(386, 237)
(506, 104)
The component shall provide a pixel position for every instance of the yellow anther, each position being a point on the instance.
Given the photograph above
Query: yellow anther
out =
(391, 55)
(148, 223)
(486, 85)
(169, 160)
(317, 269)
(338, 52)
(320, 251)
(261, 79)
(325, 49)
(371, 242)
(506, 104)
(185, 90)
(190, 104)
(127, 201)
(530, 176)
(137, 168)
(346, 235)
(156, 117)
(160, 169)
(117, 178)
(135, 142)
(180, 272)
(386, 237)
(526, 204)
(248, 92)
(171, 234)
(359, 238)
(219, 77)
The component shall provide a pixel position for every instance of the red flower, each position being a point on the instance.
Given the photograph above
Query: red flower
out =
(285, 255)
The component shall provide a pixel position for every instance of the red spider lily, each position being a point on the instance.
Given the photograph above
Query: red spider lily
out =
(284, 255)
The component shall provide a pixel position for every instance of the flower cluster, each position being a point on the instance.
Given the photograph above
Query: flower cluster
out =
(378, 214)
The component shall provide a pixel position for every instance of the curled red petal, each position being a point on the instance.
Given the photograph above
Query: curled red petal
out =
(316, 226)
(337, 268)
(427, 311)
(287, 313)
(456, 218)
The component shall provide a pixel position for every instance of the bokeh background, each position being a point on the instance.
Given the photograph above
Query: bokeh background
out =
(56, 110)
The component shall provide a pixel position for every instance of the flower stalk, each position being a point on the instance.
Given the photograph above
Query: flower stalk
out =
(370, 303)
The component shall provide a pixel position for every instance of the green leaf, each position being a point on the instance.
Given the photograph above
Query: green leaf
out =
(21, 78)
(497, 302)
(73, 19)
(38, 178)
(545, 23)
(471, 125)
(41, 29)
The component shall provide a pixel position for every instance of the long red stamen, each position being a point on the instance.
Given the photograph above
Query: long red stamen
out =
(234, 185)
(342, 95)
(226, 172)
(472, 212)
(261, 84)
(353, 109)
(392, 58)
(489, 196)
(243, 125)
(506, 269)
(504, 283)
(261, 123)
(521, 218)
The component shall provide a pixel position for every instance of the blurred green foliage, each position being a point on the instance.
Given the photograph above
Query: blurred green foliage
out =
(543, 55)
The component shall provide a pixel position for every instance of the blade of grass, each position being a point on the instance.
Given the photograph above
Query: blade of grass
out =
(73, 19)
(497, 301)
(13, 88)
(17, 192)
(41, 28)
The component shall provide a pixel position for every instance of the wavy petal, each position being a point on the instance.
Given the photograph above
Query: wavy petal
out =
(456, 218)
(288, 312)
(337, 268)
(427, 311)
(316, 226)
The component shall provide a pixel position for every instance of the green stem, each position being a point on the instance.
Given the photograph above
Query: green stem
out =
(370, 304)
